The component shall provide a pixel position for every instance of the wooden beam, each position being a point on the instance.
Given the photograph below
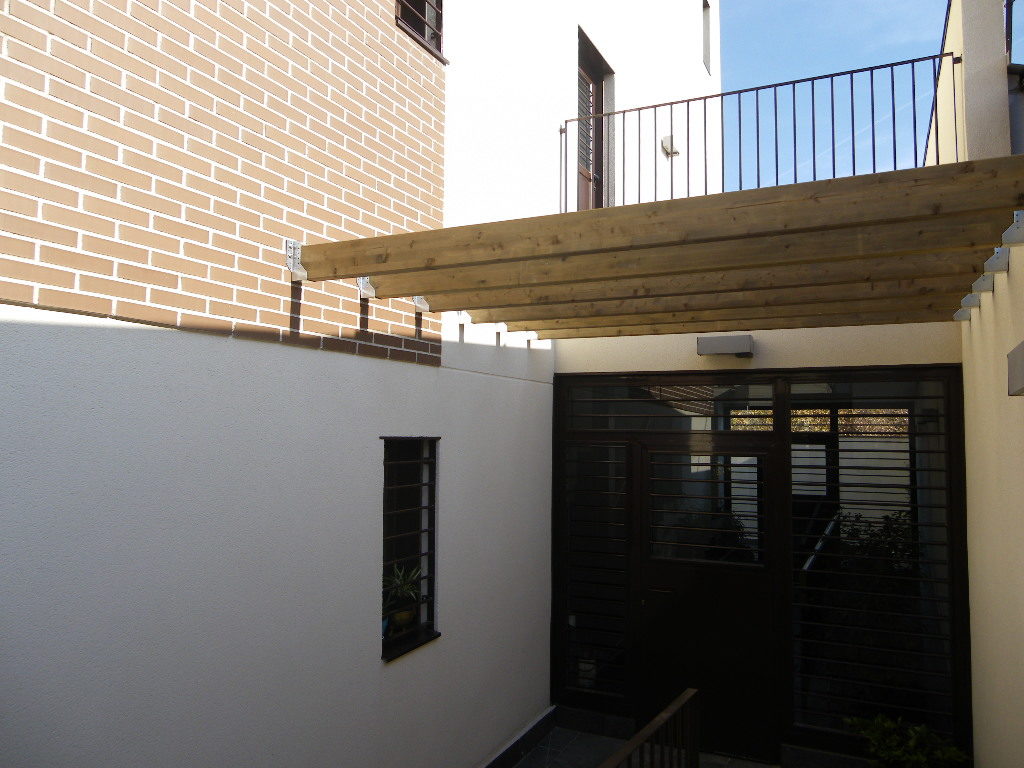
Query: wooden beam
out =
(945, 302)
(971, 230)
(995, 184)
(812, 321)
(765, 298)
(966, 263)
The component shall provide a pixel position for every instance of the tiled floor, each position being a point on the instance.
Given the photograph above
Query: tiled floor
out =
(563, 748)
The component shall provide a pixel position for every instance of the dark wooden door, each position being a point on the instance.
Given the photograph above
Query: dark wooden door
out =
(708, 587)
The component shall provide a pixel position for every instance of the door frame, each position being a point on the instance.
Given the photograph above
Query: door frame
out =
(781, 380)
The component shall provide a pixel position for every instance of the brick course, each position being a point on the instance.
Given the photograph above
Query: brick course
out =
(157, 153)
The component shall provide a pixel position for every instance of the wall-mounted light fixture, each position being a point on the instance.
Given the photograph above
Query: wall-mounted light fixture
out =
(741, 345)
(668, 146)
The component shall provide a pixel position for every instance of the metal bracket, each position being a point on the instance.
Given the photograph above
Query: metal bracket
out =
(421, 303)
(293, 260)
(1014, 235)
(962, 314)
(970, 300)
(366, 290)
(983, 284)
(999, 261)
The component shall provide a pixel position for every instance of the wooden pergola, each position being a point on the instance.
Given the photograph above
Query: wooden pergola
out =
(896, 247)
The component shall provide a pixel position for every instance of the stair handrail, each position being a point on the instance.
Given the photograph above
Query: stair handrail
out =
(675, 730)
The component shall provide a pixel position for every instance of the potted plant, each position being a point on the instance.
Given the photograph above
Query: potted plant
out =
(898, 744)
(401, 596)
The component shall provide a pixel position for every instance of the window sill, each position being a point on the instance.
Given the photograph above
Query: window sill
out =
(392, 649)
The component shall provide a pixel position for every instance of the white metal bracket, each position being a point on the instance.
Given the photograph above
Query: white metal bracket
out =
(999, 261)
(962, 314)
(293, 259)
(421, 303)
(984, 284)
(366, 290)
(970, 300)
(1014, 235)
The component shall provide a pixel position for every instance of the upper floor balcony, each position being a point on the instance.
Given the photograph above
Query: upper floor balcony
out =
(870, 120)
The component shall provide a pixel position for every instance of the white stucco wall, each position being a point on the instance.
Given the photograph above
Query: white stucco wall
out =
(512, 82)
(190, 533)
(909, 344)
(994, 425)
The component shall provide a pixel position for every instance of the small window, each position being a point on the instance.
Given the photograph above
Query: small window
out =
(408, 583)
(422, 20)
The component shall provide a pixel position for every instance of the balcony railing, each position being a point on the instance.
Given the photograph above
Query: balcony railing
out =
(870, 120)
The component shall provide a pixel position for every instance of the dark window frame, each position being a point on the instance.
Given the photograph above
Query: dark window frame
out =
(422, 21)
(409, 544)
(593, 74)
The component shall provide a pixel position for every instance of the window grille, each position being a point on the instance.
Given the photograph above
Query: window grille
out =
(422, 20)
(408, 578)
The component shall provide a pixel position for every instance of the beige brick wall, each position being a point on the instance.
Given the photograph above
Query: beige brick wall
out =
(157, 153)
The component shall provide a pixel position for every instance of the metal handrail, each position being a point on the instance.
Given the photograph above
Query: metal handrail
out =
(672, 738)
(865, 120)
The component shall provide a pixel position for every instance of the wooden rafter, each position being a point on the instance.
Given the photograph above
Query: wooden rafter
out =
(878, 248)
(488, 304)
(805, 321)
(761, 299)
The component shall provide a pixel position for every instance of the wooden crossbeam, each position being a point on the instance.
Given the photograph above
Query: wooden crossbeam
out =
(969, 230)
(810, 321)
(945, 303)
(767, 299)
(489, 305)
(923, 193)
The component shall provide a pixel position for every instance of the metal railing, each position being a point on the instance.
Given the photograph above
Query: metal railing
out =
(670, 740)
(869, 120)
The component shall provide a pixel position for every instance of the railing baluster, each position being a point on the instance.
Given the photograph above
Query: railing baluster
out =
(874, 153)
(832, 116)
(794, 134)
(814, 133)
(935, 80)
(775, 134)
(853, 130)
(757, 133)
(688, 151)
(913, 106)
(892, 102)
(671, 157)
(739, 133)
(721, 145)
(654, 152)
(956, 123)
(691, 726)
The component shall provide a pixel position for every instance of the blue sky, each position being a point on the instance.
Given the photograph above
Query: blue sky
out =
(771, 41)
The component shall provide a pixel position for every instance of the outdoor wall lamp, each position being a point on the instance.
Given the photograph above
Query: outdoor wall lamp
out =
(741, 346)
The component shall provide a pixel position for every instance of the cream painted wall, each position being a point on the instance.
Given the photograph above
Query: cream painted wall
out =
(910, 344)
(512, 82)
(190, 535)
(994, 425)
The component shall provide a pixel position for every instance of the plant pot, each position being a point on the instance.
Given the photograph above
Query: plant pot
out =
(403, 619)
